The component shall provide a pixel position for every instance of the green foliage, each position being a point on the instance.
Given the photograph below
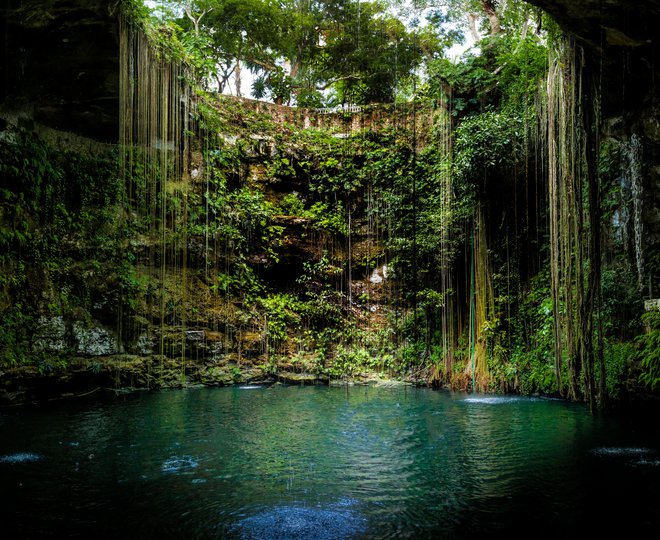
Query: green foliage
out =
(238, 222)
(522, 64)
(457, 82)
(366, 52)
(506, 73)
(314, 270)
(292, 205)
(364, 351)
(50, 363)
(15, 328)
(648, 350)
(350, 360)
(531, 365)
(621, 301)
(135, 10)
(359, 49)
(492, 139)
(133, 284)
(282, 312)
(281, 168)
(278, 84)
(58, 237)
(327, 218)
(618, 358)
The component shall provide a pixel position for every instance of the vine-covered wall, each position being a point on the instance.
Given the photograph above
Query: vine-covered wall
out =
(506, 248)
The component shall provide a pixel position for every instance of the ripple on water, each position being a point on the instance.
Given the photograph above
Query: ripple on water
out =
(298, 523)
(647, 463)
(177, 464)
(633, 456)
(21, 457)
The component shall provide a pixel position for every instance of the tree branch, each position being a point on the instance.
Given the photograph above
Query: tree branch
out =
(333, 81)
(187, 7)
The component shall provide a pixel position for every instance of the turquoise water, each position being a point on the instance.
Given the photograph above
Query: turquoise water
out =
(319, 462)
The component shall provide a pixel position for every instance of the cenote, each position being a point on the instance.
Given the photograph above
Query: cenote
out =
(286, 269)
(323, 462)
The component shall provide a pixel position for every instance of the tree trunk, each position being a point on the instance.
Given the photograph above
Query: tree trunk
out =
(472, 24)
(489, 9)
(237, 77)
(591, 127)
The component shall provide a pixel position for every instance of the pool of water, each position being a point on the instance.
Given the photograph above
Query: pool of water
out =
(324, 463)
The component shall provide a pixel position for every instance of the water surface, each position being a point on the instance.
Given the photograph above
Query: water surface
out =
(324, 463)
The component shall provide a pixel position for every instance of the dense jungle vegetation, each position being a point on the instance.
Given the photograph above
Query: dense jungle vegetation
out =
(461, 221)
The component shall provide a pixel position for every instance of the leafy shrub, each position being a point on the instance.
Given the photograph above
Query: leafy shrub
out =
(292, 205)
(282, 311)
(487, 140)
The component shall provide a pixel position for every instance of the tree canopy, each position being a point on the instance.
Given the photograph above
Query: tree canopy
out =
(315, 53)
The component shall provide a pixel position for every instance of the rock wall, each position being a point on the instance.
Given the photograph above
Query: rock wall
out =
(59, 66)
(374, 117)
(621, 45)
(60, 75)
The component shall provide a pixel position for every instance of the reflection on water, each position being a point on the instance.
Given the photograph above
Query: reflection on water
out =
(312, 462)
(499, 400)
